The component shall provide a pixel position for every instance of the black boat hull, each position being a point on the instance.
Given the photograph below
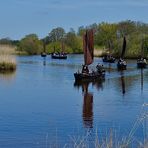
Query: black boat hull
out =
(58, 56)
(121, 66)
(43, 54)
(108, 60)
(141, 64)
(89, 77)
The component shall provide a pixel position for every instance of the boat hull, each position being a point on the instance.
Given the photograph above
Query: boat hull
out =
(121, 66)
(89, 77)
(43, 54)
(141, 64)
(58, 56)
(108, 60)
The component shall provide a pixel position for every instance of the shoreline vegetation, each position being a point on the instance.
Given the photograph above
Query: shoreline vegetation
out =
(108, 37)
(109, 138)
(7, 59)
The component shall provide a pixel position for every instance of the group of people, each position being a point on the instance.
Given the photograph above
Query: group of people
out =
(121, 61)
(99, 68)
(142, 60)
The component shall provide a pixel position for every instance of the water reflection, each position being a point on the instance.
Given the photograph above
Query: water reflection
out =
(123, 82)
(88, 110)
(141, 79)
(84, 85)
(87, 114)
(109, 67)
(87, 104)
(44, 61)
(8, 76)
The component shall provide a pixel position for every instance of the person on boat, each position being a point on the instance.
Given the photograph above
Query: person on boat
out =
(100, 68)
(144, 60)
(85, 69)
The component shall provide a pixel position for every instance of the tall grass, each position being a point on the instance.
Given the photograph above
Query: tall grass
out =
(7, 60)
(111, 138)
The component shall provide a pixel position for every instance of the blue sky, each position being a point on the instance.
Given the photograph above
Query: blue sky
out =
(21, 17)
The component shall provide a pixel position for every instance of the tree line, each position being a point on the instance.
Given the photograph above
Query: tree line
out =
(107, 36)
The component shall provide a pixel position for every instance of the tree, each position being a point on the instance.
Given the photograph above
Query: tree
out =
(81, 30)
(106, 35)
(126, 27)
(5, 41)
(31, 44)
(56, 34)
(73, 42)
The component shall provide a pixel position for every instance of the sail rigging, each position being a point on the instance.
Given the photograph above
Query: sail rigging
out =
(88, 47)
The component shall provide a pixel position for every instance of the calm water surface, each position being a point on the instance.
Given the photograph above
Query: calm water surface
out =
(40, 105)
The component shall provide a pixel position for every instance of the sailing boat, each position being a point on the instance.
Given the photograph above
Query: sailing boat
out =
(88, 47)
(121, 65)
(59, 55)
(109, 58)
(141, 62)
(43, 54)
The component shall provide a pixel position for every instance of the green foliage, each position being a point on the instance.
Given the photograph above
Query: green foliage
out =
(50, 47)
(145, 45)
(106, 36)
(73, 42)
(81, 30)
(126, 28)
(56, 34)
(31, 44)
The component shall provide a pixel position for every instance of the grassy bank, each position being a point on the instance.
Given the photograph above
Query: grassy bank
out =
(7, 59)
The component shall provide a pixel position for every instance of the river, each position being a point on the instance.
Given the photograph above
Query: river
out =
(40, 106)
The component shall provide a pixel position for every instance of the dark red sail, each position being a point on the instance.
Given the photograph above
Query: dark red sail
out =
(123, 48)
(88, 47)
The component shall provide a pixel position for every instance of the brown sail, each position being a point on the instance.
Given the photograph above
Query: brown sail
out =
(88, 47)
(123, 47)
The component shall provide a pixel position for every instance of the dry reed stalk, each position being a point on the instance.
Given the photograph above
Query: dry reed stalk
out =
(7, 60)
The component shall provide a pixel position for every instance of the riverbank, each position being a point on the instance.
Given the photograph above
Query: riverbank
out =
(7, 59)
(98, 52)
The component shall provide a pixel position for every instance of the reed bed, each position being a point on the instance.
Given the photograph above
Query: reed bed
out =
(7, 60)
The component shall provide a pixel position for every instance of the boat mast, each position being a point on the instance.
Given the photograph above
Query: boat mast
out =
(123, 47)
(63, 48)
(142, 49)
(54, 49)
